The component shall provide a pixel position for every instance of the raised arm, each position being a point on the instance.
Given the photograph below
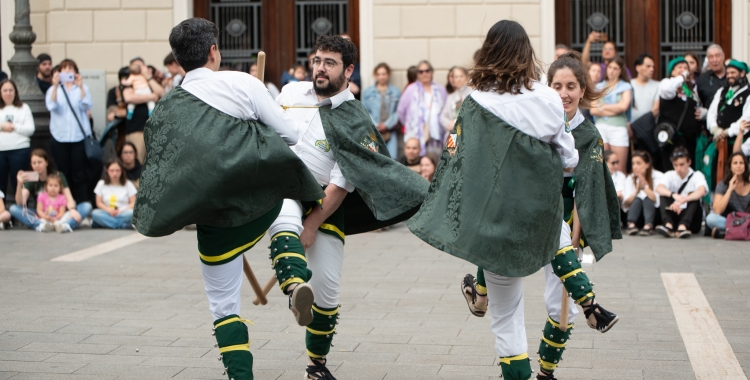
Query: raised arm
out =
(255, 94)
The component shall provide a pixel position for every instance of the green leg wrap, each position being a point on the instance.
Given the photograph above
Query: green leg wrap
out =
(288, 260)
(320, 332)
(481, 284)
(516, 367)
(234, 347)
(567, 266)
(552, 345)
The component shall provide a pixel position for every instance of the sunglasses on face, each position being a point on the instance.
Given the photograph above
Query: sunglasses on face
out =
(424, 71)
(679, 154)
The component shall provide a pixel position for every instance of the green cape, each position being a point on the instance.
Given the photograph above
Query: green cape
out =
(386, 191)
(496, 202)
(206, 167)
(595, 194)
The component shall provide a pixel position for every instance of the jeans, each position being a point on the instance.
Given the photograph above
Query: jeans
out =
(392, 145)
(102, 219)
(11, 161)
(716, 221)
(29, 219)
(72, 161)
(643, 206)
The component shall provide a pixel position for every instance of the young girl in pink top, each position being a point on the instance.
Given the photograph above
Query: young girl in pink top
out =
(51, 207)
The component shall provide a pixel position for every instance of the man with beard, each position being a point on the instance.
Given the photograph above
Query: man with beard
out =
(44, 72)
(344, 152)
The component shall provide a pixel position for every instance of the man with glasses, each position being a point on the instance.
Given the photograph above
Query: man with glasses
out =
(681, 191)
(344, 151)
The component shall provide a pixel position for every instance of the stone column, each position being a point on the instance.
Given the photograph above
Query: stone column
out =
(23, 68)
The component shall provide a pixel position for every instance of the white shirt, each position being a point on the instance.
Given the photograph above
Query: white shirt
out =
(23, 122)
(242, 96)
(115, 196)
(538, 113)
(713, 112)
(313, 148)
(656, 177)
(618, 178)
(644, 96)
(672, 181)
(668, 87)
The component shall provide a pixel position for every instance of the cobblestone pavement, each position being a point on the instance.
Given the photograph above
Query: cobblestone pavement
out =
(140, 312)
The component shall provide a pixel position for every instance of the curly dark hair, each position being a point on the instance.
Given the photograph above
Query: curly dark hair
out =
(191, 40)
(506, 61)
(338, 44)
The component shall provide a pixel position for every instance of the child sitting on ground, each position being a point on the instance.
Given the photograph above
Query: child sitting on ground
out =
(139, 82)
(51, 207)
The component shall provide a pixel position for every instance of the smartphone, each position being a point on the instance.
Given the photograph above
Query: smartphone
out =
(31, 176)
(67, 77)
(9, 118)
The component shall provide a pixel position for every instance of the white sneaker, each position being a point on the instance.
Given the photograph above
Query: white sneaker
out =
(86, 222)
(62, 228)
(2, 226)
(45, 227)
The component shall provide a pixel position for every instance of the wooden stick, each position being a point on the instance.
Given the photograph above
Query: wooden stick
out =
(261, 66)
(564, 310)
(269, 285)
(253, 281)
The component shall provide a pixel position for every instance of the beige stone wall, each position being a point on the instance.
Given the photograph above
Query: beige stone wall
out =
(102, 34)
(445, 32)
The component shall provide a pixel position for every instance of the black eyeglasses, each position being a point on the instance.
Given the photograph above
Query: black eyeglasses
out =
(329, 64)
(424, 71)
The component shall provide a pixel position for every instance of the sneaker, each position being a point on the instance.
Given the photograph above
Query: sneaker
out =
(664, 231)
(62, 228)
(300, 303)
(318, 370)
(684, 234)
(46, 227)
(2, 226)
(632, 231)
(86, 222)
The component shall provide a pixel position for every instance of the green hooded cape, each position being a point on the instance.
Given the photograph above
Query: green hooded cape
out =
(595, 194)
(386, 191)
(496, 200)
(206, 167)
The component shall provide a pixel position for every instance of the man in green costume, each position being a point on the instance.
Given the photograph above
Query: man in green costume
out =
(217, 156)
(365, 190)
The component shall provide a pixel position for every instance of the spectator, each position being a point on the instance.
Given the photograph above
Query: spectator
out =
(427, 165)
(272, 89)
(458, 77)
(44, 72)
(68, 101)
(138, 81)
(419, 110)
(411, 155)
(51, 207)
(739, 146)
(612, 113)
(609, 52)
(30, 185)
(618, 178)
(16, 128)
(678, 106)
(713, 78)
(681, 191)
(355, 81)
(134, 127)
(732, 194)
(381, 102)
(561, 49)
(595, 72)
(639, 199)
(299, 73)
(693, 67)
(115, 198)
(411, 75)
(176, 73)
(4, 214)
(645, 88)
(116, 107)
(3, 75)
(156, 74)
(730, 104)
(130, 164)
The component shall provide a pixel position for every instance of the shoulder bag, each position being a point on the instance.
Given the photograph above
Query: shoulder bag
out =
(92, 147)
(738, 226)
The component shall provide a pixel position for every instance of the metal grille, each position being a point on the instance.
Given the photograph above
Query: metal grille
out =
(318, 17)
(585, 14)
(686, 25)
(239, 27)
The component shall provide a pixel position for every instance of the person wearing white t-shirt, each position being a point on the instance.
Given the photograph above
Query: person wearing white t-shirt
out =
(618, 178)
(4, 214)
(115, 198)
(639, 199)
(681, 191)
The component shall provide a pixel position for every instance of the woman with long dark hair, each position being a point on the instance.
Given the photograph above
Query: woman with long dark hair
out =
(640, 201)
(612, 112)
(731, 194)
(16, 128)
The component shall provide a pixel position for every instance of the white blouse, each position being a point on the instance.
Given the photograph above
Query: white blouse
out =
(23, 122)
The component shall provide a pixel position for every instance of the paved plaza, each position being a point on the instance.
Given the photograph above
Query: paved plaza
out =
(140, 311)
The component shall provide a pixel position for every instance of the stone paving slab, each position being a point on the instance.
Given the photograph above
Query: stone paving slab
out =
(403, 316)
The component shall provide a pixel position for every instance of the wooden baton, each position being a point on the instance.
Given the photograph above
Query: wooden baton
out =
(253, 281)
(267, 288)
(261, 66)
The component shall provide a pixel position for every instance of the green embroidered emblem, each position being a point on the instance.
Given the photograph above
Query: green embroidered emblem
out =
(597, 154)
(371, 143)
(323, 145)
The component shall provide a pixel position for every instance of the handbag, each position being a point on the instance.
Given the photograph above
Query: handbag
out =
(90, 144)
(738, 226)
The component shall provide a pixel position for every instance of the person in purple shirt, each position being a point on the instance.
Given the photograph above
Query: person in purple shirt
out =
(419, 110)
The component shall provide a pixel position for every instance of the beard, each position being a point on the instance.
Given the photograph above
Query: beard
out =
(334, 86)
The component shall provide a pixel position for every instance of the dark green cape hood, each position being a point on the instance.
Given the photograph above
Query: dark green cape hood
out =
(595, 194)
(206, 167)
(496, 202)
(386, 191)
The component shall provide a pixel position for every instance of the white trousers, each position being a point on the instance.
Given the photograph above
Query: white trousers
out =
(505, 296)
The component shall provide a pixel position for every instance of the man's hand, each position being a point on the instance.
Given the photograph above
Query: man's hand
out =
(721, 136)
(697, 113)
(679, 198)
(307, 238)
(675, 206)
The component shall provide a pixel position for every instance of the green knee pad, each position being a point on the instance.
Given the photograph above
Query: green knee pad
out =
(481, 284)
(288, 260)
(552, 345)
(516, 367)
(234, 347)
(320, 332)
(567, 266)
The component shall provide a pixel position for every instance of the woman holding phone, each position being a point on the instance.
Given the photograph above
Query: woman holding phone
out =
(68, 101)
(16, 127)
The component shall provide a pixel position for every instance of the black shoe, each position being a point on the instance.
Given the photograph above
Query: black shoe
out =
(318, 370)
(545, 376)
(604, 319)
(664, 231)
(718, 233)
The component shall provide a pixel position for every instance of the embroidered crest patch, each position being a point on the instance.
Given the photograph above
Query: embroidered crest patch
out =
(452, 144)
(323, 145)
(370, 142)
(597, 154)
